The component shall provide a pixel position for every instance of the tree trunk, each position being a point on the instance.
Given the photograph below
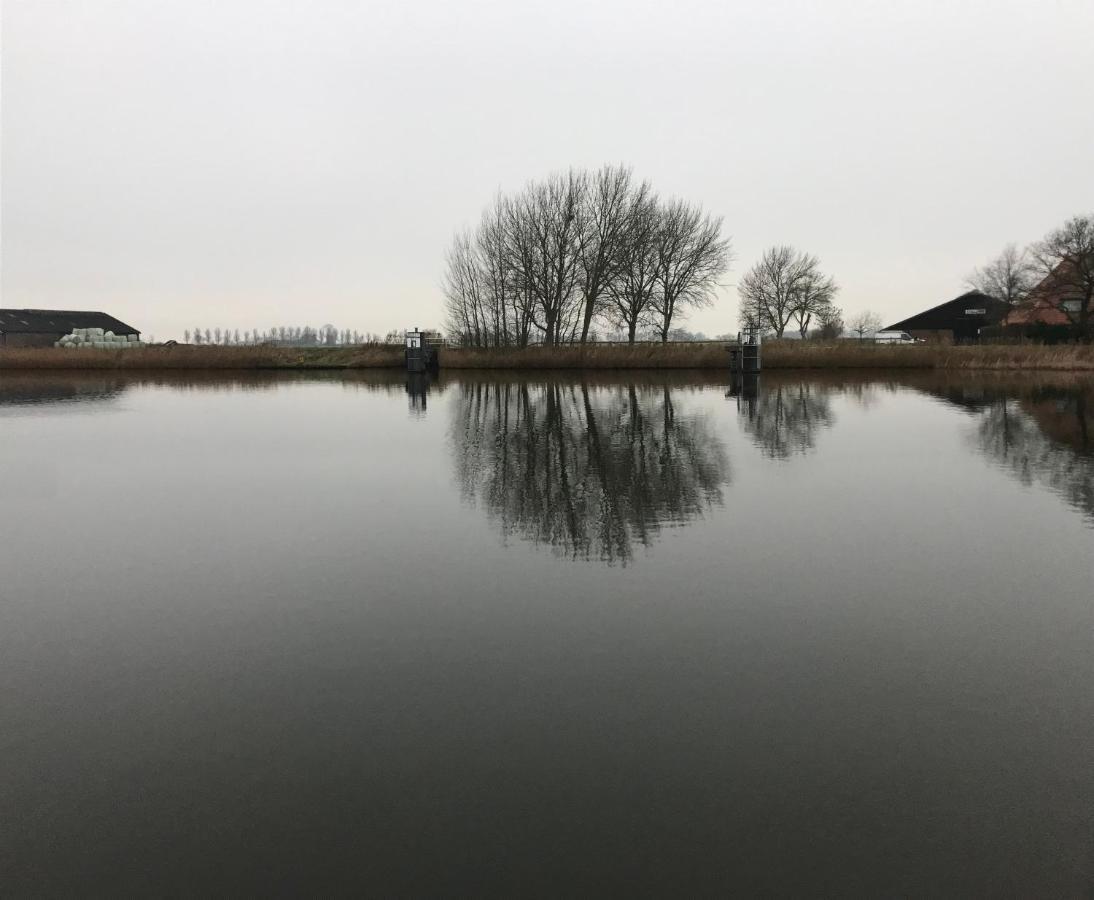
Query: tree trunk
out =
(590, 304)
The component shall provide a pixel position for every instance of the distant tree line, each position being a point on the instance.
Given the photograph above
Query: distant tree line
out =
(578, 251)
(288, 335)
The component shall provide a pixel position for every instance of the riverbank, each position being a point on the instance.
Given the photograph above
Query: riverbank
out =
(712, 355)
(189, 356)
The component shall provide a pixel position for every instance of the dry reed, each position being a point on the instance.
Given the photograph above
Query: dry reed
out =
(710, 355)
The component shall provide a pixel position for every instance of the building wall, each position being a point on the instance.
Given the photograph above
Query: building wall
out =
(933, 336)
(28, 340)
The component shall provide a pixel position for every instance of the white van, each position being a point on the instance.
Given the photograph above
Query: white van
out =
(895, 337)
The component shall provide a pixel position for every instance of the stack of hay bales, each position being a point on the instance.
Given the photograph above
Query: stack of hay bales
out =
(97, 339)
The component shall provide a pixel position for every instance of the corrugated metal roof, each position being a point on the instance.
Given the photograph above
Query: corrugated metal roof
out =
(972, 307)
(58, 321)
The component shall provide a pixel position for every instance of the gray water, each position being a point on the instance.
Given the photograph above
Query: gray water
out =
(537, 635)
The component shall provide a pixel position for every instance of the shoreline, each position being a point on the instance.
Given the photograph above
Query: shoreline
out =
(709, 356)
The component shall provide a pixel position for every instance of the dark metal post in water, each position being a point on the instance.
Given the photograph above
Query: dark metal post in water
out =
(420, 356)
(744, 356)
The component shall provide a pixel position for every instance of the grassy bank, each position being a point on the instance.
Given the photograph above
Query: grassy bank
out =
(776, 355)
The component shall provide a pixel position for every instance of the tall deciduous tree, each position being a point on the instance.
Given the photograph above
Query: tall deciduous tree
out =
(814, 290)
(573, 249)
(784, 285)
(609, 204)
(866, 322)
(691, 256)
(632, 290)
(1009, 277)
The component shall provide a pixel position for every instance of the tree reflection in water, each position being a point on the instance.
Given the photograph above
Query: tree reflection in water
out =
(785, 418)
(1044, 436)
(592, 471)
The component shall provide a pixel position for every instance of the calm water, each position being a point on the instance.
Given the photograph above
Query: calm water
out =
(521, 635)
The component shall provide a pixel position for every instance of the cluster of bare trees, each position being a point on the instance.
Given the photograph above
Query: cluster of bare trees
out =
(787, 287)
(292, 335)
(1060, 264)
(577, 250)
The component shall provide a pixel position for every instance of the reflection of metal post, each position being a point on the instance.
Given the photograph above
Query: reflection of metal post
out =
(745, 387)
(417, 388)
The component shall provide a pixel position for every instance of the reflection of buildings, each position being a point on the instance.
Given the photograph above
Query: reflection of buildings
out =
(46, 388)
(1041, 434)
(591, 471)
(1045, 438)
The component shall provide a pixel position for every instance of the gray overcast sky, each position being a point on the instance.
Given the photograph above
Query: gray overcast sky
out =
(248, 163)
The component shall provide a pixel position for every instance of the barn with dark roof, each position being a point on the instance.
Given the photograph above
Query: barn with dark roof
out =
(958, 321)
(44, 327)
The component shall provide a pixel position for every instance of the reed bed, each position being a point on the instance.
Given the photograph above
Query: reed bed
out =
(711, 355)
(187, 356)
(865, 355)
(777, 355)
(591, 356)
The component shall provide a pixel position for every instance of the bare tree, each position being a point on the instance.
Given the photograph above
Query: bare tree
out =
(1065, 261)
(864, 323)
(573, 249)
(691, 257)
(462, 293)
(829, 322)
(609, 201)
(767, 291)
(553, 211)
(1009, 277)
(814, 292)
(784, 285)
(631, 292)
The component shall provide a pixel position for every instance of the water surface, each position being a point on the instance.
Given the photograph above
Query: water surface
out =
(547, 634)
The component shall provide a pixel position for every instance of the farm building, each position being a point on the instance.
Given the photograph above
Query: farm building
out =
(1054, 308)
(44, 327)
(956, 321)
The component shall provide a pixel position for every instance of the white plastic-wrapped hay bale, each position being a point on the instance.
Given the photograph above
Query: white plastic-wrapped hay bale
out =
(109, 335)
(132, 338)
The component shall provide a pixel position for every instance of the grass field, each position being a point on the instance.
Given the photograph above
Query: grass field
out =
(776, 355)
